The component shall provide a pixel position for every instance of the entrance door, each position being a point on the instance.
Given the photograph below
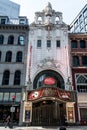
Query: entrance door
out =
(47, 113)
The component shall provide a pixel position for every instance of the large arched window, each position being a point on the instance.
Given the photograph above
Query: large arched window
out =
(17, 77)
(39, 79)
(19, 56)
(11, 39)
(76, 61)
(21, 40)
(1, 39)
(81, 83)
(8, 56)
(6, 75)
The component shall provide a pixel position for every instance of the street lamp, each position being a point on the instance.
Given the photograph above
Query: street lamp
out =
(12, 110)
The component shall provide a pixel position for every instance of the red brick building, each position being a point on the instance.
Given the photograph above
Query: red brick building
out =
(78, 51)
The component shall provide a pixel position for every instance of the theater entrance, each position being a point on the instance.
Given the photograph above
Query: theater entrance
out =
(48, 113)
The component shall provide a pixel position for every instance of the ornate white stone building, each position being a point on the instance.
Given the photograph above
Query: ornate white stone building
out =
(49, 97)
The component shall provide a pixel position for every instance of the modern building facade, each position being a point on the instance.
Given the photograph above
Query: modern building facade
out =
(50, 97)
(9, 8)
(79, 24)
(13, 62)
(78, 43)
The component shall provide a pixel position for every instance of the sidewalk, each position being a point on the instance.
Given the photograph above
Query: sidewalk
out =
(44, 128)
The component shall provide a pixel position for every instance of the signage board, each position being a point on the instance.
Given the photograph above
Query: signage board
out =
(12, 109)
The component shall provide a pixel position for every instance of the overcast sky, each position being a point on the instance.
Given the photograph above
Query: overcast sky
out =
(69, 8)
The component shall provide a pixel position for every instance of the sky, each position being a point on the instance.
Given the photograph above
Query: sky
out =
(69, 8)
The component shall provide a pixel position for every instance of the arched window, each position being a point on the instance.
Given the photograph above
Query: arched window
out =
(8, 56)
(0, 55)
(21, 40)
(1, 39)
(75, 61)
(6, 75)
(57, 19)
(19, 56)
(11, 39)
(81, 83)
(39, 19)
(17, 77)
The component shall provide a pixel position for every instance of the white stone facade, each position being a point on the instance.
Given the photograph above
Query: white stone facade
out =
(48, 25)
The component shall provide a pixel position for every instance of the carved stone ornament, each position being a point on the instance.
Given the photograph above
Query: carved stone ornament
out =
(48, 62)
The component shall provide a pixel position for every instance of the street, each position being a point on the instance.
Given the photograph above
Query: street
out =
(44, 128)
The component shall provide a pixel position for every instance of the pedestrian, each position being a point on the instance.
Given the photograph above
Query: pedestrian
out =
(7, 121)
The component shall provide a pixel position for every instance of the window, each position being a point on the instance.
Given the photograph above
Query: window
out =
(74, 44)
(82, 44)
(21, 40)
(1, 96)
(18, 97)
(10, 39)
(22, 21)
(75, 61)
(0, 55)
(58, 43)
(6, 96)
(3, 21)
(8, 56)
(48, 43)
(84, 60)
(19, 56)
(11, 94)
(81, 82)
(39, 43)
(83, 114)
(1, 39)
(17, 77)
(6, 76)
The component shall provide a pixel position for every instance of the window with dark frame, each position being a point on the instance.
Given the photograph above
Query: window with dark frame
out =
(82, 44)
(76, 61)
(19, 56)
(74, 44)
(1, 39)
(84, 60)
(11, 39)
(8, 56)
(48, 43)
(3, 21)
(38, 43)
(6, 75)
(17, 77)
(57, 43)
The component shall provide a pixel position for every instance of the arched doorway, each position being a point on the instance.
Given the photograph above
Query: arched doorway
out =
(38, 81)
(48, 112)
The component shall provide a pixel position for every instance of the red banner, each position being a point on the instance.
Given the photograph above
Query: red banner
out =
(50, 92)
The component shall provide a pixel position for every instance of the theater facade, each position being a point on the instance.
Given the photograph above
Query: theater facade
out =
(48, 98)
